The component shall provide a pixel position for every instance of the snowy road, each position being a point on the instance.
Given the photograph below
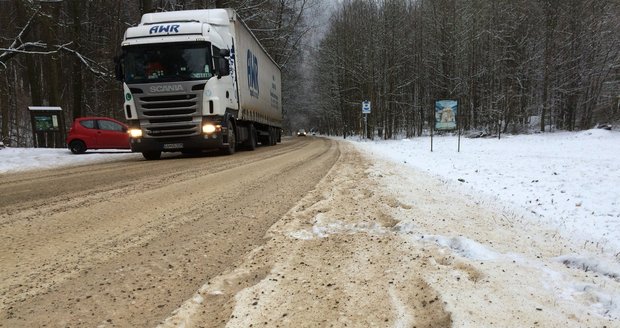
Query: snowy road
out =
(125, 243)
(315, 234)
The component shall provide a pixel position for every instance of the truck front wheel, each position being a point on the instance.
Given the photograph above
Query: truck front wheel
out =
(151, 155)
(231, 138)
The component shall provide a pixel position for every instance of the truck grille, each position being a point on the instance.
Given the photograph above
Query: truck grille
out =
(171, 131)
(170, 116)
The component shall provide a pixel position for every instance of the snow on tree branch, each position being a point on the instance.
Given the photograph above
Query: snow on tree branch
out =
(18, 46)
(28, 48)
(5, 54)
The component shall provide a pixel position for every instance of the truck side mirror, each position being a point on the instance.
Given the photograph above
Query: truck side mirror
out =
(223, 64)
(118, 68)
(224, 68)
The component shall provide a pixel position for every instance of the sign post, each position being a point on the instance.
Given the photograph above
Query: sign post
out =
(446, 113)
(365, 111)
(47, 126)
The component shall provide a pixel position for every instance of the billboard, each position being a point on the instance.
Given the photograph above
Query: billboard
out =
(445, 114)
(46, 122)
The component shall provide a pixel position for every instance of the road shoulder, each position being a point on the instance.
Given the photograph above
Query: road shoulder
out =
(377, 244)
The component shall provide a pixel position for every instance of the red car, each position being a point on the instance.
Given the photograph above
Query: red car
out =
(97, 133)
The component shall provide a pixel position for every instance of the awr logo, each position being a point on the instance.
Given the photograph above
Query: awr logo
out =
(164, 29)
(253, 74)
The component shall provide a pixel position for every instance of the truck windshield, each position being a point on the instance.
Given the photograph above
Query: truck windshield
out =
(167, 62)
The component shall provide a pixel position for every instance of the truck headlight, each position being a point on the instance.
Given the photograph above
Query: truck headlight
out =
(211, 128)
(135, 133)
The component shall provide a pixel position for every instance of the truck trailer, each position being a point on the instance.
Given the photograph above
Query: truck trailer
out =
(195, 80)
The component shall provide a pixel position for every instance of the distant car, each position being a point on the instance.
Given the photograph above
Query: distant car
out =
(97, 133)
(301, 133)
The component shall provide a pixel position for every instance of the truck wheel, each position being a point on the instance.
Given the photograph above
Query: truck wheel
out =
(267, 140)
(273, 136)
(251, 143)
(151, 155)
(232, 140)
(77, 146)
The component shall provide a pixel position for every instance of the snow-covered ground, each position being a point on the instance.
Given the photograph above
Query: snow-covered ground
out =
(24, 159)
(570, 181)
(558, 186)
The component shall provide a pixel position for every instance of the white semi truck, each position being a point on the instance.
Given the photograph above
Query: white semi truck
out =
(196, 80)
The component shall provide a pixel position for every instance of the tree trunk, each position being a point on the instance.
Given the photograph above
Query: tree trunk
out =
(51, 67)
(76, 76)
(549, 26)
(221, 3)
(4, 111)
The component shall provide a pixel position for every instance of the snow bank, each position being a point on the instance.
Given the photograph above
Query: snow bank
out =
(23, 159)
(566, 180)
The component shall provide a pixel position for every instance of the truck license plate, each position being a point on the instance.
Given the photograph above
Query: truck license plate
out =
(173, 146)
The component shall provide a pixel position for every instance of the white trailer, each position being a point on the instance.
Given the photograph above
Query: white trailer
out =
(196, 80)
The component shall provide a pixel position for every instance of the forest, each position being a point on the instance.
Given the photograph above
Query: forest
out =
(61, 52)
(514, 66)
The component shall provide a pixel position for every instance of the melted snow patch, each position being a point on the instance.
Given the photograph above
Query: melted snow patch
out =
(591, 264)
(182, 317)
(302, 235)
(465, 247)
(405, 227)
(403, 317)
(323, 227)
(601, 302)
